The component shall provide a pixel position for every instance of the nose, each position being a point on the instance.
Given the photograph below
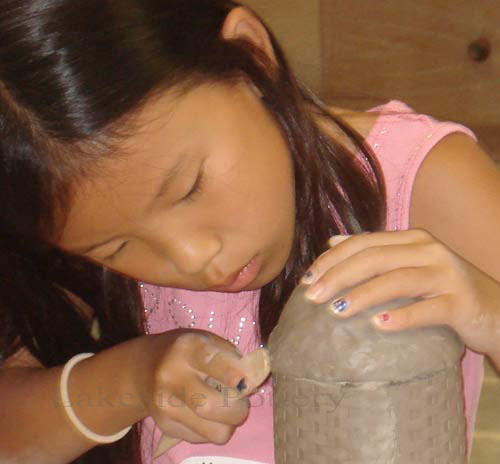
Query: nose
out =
(192, 252)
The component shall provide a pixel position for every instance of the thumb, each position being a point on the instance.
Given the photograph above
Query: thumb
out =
(257, 367)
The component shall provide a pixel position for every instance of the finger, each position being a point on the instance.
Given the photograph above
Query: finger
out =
(338, 239)
(399, 283)
(384, 237)
(363, 265)
(243, 373)
(427, 312)
(222, 343)
(217, 402)
(211, 391)
(175, 409)
(223, 366)
(208, 358)
(257, 366)
(175, 431)
(211, 356)
(221, 404)
(343, 248)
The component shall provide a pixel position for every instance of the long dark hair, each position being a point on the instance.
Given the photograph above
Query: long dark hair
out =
(70, 73)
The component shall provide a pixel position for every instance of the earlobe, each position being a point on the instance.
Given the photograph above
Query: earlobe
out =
(242, 23)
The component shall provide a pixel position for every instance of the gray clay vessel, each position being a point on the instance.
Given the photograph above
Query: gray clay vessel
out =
(346, 393)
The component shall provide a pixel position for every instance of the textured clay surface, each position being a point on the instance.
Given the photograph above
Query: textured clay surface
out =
(346, 393)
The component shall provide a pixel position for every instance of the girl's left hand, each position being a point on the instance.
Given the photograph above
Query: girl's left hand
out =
(382, 266)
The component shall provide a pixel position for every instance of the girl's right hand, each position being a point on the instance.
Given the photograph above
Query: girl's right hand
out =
(175, 389)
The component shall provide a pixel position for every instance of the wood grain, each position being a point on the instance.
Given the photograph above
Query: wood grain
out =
(296, 25)
(415, 51)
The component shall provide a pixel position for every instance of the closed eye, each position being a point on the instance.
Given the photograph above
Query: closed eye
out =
(196, 188)
(115, 253)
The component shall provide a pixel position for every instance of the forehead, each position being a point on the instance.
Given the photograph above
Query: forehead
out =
(131, 171)
(166, 130)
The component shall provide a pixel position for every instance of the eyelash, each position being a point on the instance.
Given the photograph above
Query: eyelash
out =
(195, 189)
(118, 250)
(190, 196)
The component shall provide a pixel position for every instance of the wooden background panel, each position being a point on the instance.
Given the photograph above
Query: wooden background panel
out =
(415, 51)
(296, 25)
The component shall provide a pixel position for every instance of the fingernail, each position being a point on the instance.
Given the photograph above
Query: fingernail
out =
(340, 305)
(314, 292)
(382, 318)
(336, 239)
(308, 277)
(241, 385)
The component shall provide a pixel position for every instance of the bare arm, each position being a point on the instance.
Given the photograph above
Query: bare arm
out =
(457, 198)
(33, 424)
(120, 386)
(449, 257)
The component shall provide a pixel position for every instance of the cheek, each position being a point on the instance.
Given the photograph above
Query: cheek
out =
(280, 212)
(139, 261)
(287, 196)
(288, 209)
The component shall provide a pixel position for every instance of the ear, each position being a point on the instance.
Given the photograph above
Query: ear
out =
(242, 23)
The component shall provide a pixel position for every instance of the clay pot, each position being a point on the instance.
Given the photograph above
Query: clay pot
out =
(347, 393)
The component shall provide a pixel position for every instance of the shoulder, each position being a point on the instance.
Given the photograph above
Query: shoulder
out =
(456, 197)
(400, 120)
(361, 121)
(457, 171)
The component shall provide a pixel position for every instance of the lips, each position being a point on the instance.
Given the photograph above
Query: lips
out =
(242, 278)
(230, 280)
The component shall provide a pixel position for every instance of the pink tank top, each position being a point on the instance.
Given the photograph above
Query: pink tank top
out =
(400, 139)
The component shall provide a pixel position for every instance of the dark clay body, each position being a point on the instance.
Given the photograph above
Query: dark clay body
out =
(346, 393)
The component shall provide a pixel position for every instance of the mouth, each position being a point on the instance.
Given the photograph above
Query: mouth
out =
(242, 278)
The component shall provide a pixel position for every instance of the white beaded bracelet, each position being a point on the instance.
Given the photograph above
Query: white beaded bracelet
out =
(69, 410)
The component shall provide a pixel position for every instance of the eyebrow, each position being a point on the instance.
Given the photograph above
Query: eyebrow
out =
(166, 183)
(168, 180)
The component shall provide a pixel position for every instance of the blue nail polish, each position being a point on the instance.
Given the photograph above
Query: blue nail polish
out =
(339, 306)
(241, 385)
(308, 277)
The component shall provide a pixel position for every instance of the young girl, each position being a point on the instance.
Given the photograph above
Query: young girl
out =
(167, 142)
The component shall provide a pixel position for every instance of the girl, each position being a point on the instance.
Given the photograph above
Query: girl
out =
(167, 142)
